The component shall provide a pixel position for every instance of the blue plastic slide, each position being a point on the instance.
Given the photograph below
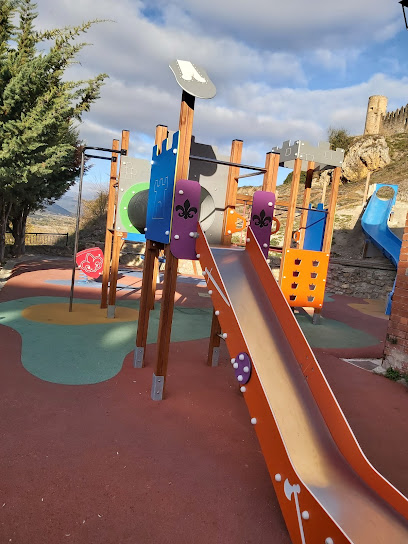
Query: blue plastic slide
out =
(375, 226)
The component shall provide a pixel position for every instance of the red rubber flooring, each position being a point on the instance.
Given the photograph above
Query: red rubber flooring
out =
(103, 464)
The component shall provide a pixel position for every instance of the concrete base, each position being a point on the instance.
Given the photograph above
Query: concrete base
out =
(111, 312)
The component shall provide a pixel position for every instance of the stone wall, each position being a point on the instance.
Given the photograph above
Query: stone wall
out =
(379, 121)
(395, 122)
(362, 280)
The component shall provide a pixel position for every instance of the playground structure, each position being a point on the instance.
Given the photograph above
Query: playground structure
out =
(327, 489)
(303, 269)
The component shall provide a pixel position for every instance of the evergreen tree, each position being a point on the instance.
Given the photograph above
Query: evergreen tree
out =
(39, 116)
(339, 137)
(289, 177)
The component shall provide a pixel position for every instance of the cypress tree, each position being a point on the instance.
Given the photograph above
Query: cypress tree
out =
(39, 116)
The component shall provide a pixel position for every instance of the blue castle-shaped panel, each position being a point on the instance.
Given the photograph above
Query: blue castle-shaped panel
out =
(161, 192)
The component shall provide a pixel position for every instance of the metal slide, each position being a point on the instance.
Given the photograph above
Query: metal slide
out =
(328, 491)
(375, 225)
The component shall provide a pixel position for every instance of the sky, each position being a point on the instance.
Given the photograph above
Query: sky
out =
(283, 70)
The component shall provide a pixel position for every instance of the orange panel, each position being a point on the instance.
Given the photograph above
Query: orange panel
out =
(232, 218)
(304, 277)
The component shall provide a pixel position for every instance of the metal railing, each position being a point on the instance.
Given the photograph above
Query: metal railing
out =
(41, 238)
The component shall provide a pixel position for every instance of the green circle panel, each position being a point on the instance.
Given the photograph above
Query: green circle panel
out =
(126, 225)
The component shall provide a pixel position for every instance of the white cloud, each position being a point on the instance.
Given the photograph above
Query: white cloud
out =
(259, 55)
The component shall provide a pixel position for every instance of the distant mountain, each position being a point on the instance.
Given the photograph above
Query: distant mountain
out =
(67, 202)
(56, 209)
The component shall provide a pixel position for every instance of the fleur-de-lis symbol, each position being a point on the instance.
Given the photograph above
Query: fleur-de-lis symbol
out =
(91, 263)
(186, 211)
(262, 220)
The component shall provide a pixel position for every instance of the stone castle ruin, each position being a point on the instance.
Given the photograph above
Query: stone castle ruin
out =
(378, 121)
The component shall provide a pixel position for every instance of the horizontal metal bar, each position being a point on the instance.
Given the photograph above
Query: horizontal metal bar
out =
(301, 208)
(227, 163)
(248, 175)
(107, 149)
(98, 157)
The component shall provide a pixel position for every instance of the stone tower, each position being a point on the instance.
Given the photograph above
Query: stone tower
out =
(376, 109)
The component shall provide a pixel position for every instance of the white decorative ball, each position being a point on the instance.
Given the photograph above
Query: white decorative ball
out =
(253, 420)
(217, 312)
(270, 204)
(176, 236)
(181, 192)
(229, 232)
(235, 365)
(305, 514)
(224, 335)
(246, 369)
(145, 229)
(243, 389)
(210, 292)
(248, 239)
(198, 255)
(278, 477)
(191, 234)
(265, 245)
(233, 360)
(240, 378)
(241, 357)
(167, 232)
(329, 540)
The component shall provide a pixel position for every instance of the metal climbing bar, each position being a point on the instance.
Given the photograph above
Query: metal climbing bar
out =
(228, 163)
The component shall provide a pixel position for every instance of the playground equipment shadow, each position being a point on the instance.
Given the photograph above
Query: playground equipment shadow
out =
(103, 463)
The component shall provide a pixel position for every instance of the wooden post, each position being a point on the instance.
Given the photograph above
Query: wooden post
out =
(110, 225)
(170, 272)
(297, 169)
(367, 184)
(232, 187)
(151, 257)
(328, 233)
(326, 181)
(150, 272)
(215, 340)
(271, 175)
(306, 202)
(117, 236)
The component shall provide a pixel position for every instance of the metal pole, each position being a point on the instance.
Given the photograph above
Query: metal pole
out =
(228, 163)
(81, 178)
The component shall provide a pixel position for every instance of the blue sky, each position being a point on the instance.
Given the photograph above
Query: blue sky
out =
(283, 70)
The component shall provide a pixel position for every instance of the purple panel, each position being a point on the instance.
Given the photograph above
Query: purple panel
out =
(261, 218)
(186, 211)
(242, 368)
